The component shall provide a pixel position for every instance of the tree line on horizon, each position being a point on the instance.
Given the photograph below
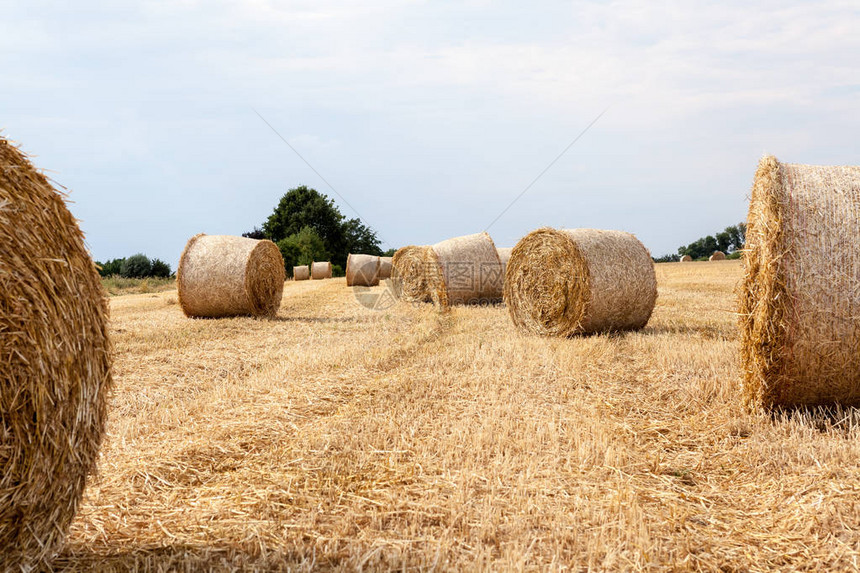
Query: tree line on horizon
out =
(730, 241)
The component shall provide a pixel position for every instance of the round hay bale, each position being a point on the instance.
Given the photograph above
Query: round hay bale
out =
(800, 296)
(565, 282)
(416, 276)
(717, 256)
(504, 254)
(321, 270)
(301, 273)
(362, 270)
(222, 275)
(56, 365)
(471, 270)
(384, 268)
(686, 259)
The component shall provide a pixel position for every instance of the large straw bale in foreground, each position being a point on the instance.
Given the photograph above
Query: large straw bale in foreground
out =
(301, 273)
(717, 256)
(222, 275)
(800, 298)
(385, 267)
(321, 270)
(564, 282)
(362, 270)
(54, 365)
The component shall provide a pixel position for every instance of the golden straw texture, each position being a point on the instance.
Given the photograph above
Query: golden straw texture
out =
(686, 259)
(384, 268)
(222, 275)
(301, 273)
(565, 282)
(800, 298)
(717, 256)
(54, 365)
(362, 270)
(471, 269)
(416, 276)
(321, 270)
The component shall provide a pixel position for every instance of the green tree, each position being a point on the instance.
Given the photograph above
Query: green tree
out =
(305, 207)
(302, 248)
(136, 266)
(110, 268)
(360, 238)
(160, 269)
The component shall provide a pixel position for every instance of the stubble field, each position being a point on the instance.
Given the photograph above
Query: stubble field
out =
(341, 438)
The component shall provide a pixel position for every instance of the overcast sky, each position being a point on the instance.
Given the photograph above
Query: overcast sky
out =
(428, 118)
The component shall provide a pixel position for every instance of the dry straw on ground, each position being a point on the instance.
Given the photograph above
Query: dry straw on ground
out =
(800, 299)
(717, 256)
(564, 282)
(55, 372)
(686, 259)
(321, 270)
(384, 268)
(222, 275)
(301, 273)
(362, 270)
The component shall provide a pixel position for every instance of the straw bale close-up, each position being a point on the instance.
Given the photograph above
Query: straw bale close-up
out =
(301, 273)
(321, 270)
(56, 365)
(800, 298)
(223, 275)
(384, 268)
(362, 270)
(565, 282)
(471, 269)
(717, 256)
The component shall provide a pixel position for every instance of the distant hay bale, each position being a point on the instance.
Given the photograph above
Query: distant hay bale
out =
(362, 270)
(384, 268)
(686, 259)
(416, 275)
(717, 256)
(800, 297)
(321, 270)
(56, 370)
(301, 273)
(222, 275)
(504, 254)
(565, 282)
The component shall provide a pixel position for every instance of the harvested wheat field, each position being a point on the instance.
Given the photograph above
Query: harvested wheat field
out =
(335, 437)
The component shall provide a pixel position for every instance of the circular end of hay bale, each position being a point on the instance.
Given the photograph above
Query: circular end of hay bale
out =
(56, 365)
(417, 277)
(301, 273)
(686, 259)
(321, 270)
(717, 256)
(221, 276)
(566, 282)
(362, 270)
